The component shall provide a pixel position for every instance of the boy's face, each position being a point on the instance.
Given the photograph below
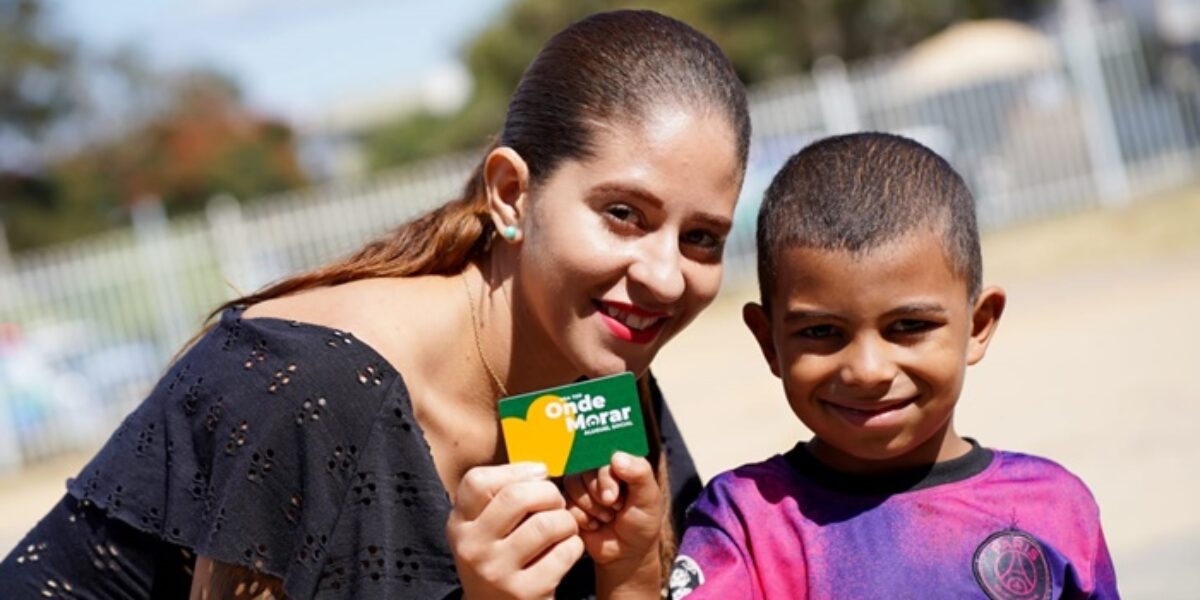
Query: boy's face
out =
(872, 349)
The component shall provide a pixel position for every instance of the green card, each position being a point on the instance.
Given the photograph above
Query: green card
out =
(576, 427)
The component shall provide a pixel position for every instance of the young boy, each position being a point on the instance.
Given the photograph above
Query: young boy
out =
(869, 268)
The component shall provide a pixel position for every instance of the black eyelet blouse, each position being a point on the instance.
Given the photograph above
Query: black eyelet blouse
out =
(285, 447)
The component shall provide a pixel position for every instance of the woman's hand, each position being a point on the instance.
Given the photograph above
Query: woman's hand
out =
(621, 531)
(510, 533)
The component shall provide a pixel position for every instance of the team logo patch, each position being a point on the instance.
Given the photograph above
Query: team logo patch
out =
(1011, 565)
(686, 576)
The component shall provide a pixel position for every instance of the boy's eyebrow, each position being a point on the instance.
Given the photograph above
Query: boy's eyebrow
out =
(801, 314)
(922, 308)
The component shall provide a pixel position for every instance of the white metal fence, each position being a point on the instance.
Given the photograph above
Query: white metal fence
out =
(86, 328)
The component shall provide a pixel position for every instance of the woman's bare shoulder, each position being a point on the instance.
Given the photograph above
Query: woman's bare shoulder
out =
(336, 306)
(371, 309)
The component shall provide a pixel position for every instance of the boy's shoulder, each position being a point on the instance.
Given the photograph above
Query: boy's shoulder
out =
(1031, 469)
(769, 469)
(751, 483)
(777, 474)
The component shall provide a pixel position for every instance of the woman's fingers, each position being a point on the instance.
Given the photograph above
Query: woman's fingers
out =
(481, 484)
(510, 533)
(538, 533)
(516, 501)
(554, 564)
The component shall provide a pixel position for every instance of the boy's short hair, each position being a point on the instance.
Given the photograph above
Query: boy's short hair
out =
(860, 191)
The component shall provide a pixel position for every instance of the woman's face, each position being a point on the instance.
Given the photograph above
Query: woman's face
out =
(620, 251)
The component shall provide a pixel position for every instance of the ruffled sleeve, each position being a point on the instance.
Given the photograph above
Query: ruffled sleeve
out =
(247, 448)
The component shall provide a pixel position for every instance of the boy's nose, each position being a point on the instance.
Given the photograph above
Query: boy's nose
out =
(658, 269)
(867, 364)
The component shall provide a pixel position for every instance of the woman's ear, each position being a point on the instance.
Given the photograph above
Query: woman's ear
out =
(756, 318)
(506, 182)
(984, 318)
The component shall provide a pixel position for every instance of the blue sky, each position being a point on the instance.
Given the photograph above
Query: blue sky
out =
(291, 57)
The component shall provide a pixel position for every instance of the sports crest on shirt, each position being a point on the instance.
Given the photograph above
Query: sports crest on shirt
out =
(1011, 565)
(686, 576)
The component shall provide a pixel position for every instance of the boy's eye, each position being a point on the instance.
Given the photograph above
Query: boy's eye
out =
(819, 332)
(912, 326)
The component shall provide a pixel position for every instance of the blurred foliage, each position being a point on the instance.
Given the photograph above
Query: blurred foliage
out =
(181, 136)
(204, 142)
(34, 70)
(185, 136)
(763, 38)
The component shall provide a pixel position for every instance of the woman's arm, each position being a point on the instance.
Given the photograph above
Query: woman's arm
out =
(215, 580)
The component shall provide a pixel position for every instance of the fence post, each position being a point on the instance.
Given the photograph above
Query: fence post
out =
(9, 287)
(1103, 145)
(836, 97)
(157, 255)
(227, 233)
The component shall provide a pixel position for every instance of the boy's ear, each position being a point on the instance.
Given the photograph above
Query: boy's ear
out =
(506, 181)
(984, 318)
(759, 321)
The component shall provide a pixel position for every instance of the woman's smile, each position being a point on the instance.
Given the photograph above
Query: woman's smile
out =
(630, 323)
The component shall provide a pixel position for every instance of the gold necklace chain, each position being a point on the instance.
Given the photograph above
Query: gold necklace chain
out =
(478, 343)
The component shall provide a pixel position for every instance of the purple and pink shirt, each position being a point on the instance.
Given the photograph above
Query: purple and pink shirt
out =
(989, 524)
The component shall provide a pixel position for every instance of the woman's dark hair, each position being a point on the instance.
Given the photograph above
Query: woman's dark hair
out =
(614, 67)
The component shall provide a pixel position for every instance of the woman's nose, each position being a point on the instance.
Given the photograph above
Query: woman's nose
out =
(658, 269)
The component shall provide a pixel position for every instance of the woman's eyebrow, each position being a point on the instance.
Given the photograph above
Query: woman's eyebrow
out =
(719, 223)
(629, 190)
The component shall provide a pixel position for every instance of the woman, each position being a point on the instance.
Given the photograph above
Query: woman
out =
(335, 435)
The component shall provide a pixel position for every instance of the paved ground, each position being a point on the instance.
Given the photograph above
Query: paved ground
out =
(1095, 365)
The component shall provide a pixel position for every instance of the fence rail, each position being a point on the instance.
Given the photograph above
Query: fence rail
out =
(87, 327)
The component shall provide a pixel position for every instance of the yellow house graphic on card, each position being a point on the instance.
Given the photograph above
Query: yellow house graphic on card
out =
(575, 427)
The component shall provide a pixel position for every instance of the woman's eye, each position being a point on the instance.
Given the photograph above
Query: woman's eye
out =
(623, 213)
(703, 239)
(819, 332)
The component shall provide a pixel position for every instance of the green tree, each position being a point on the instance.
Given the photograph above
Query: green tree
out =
(204, 142)
(764, 39)
(35, 70)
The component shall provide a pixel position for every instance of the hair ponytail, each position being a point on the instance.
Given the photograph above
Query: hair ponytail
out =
(439, 242)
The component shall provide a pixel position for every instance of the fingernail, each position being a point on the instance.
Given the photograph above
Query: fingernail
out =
(592, 525)
(605, 516)
(608, 497)
(533, 469)
(617, 506)
(620, 459)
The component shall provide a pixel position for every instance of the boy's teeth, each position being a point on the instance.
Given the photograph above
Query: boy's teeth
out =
(633, 321)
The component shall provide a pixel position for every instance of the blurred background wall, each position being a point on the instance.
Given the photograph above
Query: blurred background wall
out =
(137, 192)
